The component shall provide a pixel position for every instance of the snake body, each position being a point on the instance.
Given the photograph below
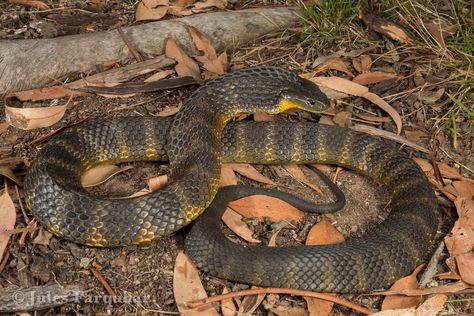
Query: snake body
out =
(195, 142)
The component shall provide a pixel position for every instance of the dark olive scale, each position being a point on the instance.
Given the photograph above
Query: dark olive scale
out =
(195, 144)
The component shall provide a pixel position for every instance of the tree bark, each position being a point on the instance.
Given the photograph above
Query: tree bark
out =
(33, 63)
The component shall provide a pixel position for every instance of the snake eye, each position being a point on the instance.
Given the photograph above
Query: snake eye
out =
(312, 102)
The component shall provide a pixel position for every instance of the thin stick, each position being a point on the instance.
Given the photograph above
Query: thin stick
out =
(130, 46)
(104, 283)
(324, 296)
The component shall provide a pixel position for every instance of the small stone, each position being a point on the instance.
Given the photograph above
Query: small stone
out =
(85, 263)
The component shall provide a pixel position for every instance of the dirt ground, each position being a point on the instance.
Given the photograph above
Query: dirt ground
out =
(146, 273)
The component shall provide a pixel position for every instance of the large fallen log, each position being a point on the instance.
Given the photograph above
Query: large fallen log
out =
(33, 63)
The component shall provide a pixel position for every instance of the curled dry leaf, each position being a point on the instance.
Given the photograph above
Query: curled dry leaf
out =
(445, 170)
(185, 66)
(32, 3)
(372, 77)
(43, 237)
(261, 206)
(159, 75)
(250, 303)
(432, 306)
(439, 31)
(210, 61)
(461, 240)
(8, 219)
(323, 233)
(249, 172)
(227, 306)
(157, 183)
(31, 118)
(7, 172)
(362, 63)
(296, 172)
(342, 119)
(168, 111)
(349, 87)
(101, 173)
(228, 176)
(234, 221)
(188, 287)
(151, 9)
(335, 63)
(220, 4)
(385, 27)
(399, 301)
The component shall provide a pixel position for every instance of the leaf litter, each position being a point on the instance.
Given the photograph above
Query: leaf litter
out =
(453, 183)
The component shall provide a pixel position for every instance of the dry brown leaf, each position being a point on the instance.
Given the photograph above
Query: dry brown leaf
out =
(349, 87)
(323, 233)
(261, 206)
(7, 172)
(342, 119)
(31, 118)
(157, 183)
(228, 176)
(416, 135)
(365, 63)
(296, 172)
(151, 9)
(465, 263)
(220, 4)
(396, 312)
(388, 135)
(3, 126)
(101, 173)
(439, 31)
(445, 170)
(249, 172)
(185, 66)
(461, 240)
(32, 3)
(335, 63)
(228, 307)
(43, 237)
(284, 310)
(399, 301)
(464, 189)
(159, 75)
(453, 287)
(385, 27)
(187, 287)
(168, 111)
(233, 220)
(263, 117)
(432, 306)
(430, 96)
(250, 303)
(8, 219)
(372, 77)
(397, 33)
(209, 59)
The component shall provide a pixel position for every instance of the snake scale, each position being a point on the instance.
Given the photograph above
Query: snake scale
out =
(195, 142)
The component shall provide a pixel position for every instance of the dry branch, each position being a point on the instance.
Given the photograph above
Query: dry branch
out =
(13, 299)
(33, 63)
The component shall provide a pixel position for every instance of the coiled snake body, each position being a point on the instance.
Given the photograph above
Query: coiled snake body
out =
(195, 142)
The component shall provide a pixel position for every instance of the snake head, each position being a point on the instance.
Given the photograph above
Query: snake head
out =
(304, 95)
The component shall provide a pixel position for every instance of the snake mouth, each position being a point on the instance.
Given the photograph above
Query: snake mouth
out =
(307, 104)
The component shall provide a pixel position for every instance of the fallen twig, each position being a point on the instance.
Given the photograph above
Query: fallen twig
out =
(324, 296)
(104, 283)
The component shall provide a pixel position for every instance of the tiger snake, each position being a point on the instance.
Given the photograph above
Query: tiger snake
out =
(196, 141)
